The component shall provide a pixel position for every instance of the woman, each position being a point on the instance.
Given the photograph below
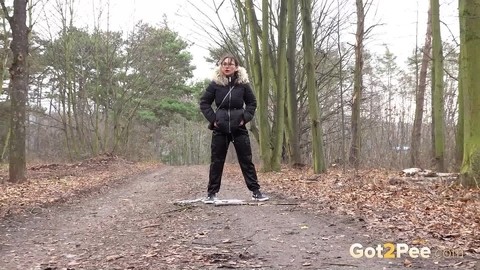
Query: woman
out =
(235, 106)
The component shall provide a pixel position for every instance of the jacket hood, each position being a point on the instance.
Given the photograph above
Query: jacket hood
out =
(219, 78)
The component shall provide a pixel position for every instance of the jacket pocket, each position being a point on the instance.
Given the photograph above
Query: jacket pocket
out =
(221, 119)
(236, 117)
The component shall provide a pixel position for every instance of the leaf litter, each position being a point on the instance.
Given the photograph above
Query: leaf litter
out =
(418, 212)
(51, 183)
(430, 213)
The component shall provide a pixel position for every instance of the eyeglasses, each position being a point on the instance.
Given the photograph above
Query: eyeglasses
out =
(228, 64)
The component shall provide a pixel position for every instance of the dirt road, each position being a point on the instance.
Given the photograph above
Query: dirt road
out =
(136, 225)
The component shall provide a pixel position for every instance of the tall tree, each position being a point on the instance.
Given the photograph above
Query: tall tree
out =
(314, 111)
(460, 134)
(292, 136)
(279, 127)
(265, 135)
(261, 68)
(18, 88)
(251, 55)
(420, 95)
(470, 51)
(355, 145)
(438, 129)
(340, 83)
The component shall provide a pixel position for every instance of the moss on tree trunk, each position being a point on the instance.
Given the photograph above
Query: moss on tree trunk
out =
(470, 176)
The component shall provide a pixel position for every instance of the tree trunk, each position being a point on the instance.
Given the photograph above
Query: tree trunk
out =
(314, 111)
(251, 55)
(420, 95)
(354, 157)
(279, 127)
(437, 89)
(18, 88)
(460, 135)
(265, 136)
(340, 82)
(293, 140)
(470, 12)
(262, 112)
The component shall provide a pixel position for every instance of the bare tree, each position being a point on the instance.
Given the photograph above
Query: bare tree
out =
(18, 88)
(420, 94)
(354, 157)
(470, 51)
(438, 121)
(279, 127)
(314, 110)
(293, 138)
(460, 130)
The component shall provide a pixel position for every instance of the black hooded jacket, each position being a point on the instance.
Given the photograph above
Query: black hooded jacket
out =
(240, 104)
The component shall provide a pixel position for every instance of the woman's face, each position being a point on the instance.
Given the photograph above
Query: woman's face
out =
(228, 66)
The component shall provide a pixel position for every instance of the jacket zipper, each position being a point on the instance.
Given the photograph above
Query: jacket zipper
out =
(229, 104)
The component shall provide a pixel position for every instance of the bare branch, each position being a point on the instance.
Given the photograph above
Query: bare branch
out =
(219, 6)
(5, 11)
(451, 32)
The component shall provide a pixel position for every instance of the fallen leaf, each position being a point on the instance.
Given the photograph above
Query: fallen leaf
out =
(73, 263)
(419, 241)
(113, 257)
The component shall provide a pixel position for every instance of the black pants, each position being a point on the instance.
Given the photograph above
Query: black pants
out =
(219, 148)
